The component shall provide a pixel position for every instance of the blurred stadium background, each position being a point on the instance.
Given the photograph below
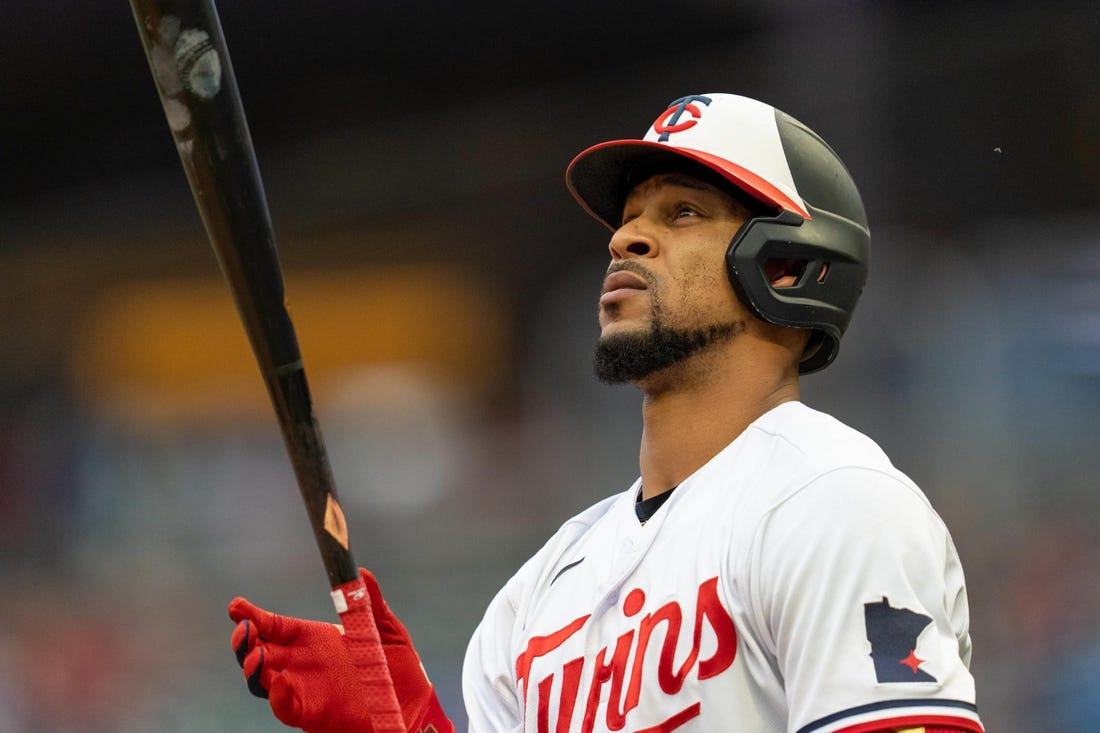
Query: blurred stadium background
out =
(444, 288)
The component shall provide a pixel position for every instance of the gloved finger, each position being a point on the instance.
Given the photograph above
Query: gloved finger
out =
(243, 639)
(285, 702)
(238, 609)
(278, 658)
(271, 626)
(254, 668)
(377, 603)
(390, 628)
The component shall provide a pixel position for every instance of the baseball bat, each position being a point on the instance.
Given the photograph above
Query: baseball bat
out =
(190, 62)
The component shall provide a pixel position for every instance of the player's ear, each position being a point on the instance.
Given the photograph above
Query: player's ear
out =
(784, 273)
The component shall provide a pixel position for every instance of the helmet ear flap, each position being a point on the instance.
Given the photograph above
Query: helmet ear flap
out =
(825, 293)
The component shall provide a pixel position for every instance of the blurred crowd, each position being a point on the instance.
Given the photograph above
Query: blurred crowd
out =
(121, 542)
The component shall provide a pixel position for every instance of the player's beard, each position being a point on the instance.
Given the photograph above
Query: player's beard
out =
(631, 357)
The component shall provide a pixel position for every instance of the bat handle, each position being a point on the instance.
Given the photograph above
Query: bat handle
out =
(365, 646)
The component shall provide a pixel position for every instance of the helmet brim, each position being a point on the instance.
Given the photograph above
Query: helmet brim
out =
(599, 177)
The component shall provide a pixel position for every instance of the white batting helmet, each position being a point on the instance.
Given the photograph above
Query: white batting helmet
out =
(815, 213)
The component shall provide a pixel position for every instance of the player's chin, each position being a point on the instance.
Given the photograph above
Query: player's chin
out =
(617, 327)
(617, 319)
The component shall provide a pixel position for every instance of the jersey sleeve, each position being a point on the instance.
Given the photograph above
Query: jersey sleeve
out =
(858, 591)
(488, 687)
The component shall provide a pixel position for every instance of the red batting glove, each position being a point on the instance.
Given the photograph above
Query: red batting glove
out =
(305, 669)
(419, 704)
(302, 667)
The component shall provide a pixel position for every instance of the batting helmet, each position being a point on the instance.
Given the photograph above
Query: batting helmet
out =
(814, 213)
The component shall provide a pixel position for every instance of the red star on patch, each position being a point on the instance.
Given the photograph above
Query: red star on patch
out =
(912, 661)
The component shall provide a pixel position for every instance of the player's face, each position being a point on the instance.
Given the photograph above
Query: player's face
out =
(667, 294)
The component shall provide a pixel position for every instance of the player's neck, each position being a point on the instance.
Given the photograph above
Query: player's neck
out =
(687, 421)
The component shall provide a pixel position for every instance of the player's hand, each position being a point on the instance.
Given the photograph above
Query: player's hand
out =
(305, 670)
(302, 667)
(419, 704)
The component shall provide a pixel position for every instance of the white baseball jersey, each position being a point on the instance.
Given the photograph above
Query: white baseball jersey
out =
(796, 582)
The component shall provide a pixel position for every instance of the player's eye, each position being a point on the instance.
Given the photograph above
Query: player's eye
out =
(683, 210)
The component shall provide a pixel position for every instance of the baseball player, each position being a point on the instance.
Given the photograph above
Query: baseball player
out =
(770, 570)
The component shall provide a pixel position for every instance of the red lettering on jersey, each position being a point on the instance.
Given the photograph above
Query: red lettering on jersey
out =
(710, 606)
(570, 686)
(544, 702)
(539, 645)
(612, 672)
(676, 720)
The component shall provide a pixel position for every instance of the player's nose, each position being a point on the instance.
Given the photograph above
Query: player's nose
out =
(633, 239)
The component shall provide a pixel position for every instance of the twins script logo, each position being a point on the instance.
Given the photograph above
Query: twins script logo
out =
(670, 120)
(656, 635)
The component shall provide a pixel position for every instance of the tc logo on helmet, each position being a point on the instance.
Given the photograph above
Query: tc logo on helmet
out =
(670, 120)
